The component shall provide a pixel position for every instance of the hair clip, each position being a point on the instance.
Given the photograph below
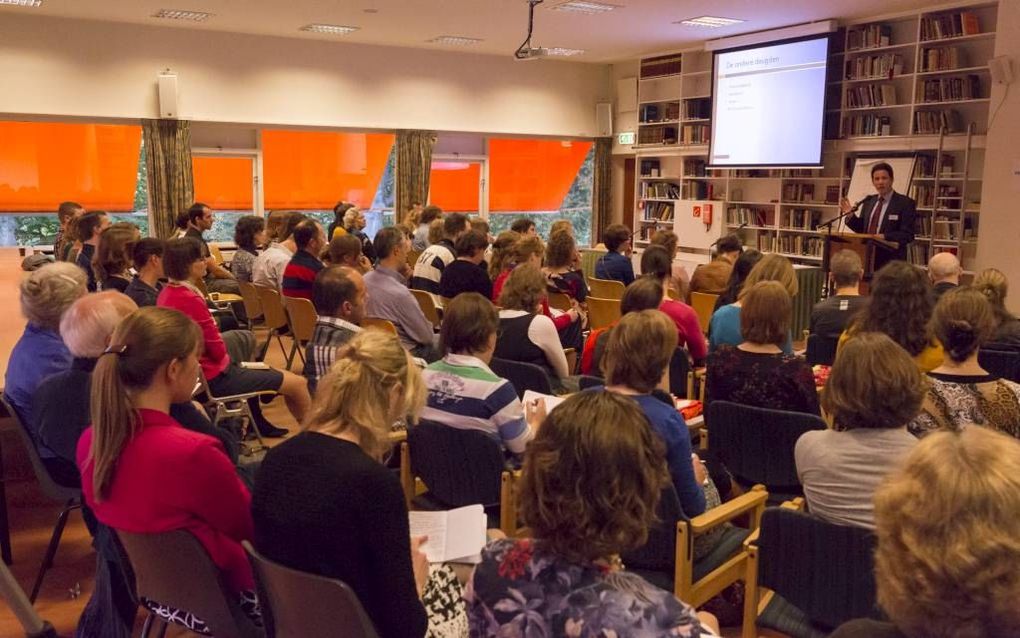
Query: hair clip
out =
(117, 350)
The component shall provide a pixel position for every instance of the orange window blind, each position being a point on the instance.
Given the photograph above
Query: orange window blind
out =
(43, 164)
(223, 183)
(532, 175)
(315, 170)
(453, 186)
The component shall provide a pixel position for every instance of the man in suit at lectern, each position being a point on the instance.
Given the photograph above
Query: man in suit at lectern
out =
(886, 213)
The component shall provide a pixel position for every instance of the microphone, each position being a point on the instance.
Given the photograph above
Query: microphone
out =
(738, 228)
(858, 204)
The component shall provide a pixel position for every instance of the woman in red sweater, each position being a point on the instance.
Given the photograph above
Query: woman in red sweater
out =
(656, 263)
(141, 471)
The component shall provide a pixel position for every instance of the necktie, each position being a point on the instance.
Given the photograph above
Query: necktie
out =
(876, 215)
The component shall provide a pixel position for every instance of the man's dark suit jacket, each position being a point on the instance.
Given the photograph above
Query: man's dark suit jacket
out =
(897, 226)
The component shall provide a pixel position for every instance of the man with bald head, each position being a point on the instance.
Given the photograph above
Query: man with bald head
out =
(944, 271)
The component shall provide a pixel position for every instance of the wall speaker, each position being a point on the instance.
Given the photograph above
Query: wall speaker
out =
(604, 119)
(167, 95)
(1001, 69)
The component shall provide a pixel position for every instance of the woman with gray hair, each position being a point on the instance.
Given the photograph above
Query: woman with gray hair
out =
(45, 295)
(354, 223)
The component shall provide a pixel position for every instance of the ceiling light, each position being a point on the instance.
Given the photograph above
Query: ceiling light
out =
(584, 6)
(332, 29)
(22, 3)
(177, 14)
(709, 21)
(454, 40)
(563, 52)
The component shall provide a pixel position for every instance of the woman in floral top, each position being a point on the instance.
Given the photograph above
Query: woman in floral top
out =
(591, 482)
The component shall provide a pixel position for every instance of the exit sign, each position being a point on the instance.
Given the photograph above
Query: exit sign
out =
(625, 138)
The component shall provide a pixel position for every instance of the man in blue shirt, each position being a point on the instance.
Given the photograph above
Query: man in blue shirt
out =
(616, 263)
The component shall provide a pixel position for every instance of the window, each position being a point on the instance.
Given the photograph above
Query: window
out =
(456, 186)
(225, 183)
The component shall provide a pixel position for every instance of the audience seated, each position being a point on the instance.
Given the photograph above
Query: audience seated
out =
(354, 224)
(67, 214)
(560, 257)
(502, 259)
(217, 277)
(944, 271)
(480, 225)
(616, 264)
(829, 317)
(429, 214)
(993, 285)
(679, 285)
(960, 392)
(711, 278)
(45, 295)
(113, 262)
(435, 258)
(757, 372)
(462, 391)
(725, 326)
(656, 264)
(564, 225)
(900, 305)
(250, 236)
(339, 297)
(524, 227)
(141, 471)
(741, 269)
(524, 250)
(336, 227)
(88, 230)
(298, 276)
(346, 251)
(391, 300)
(948, 541)
(147, 256)
(271, 262)
(324, 503)
(525, 334)
(466, 273)
(276, 220)
(183, 260)
(873, 391)
(590, 486)
(643, 294)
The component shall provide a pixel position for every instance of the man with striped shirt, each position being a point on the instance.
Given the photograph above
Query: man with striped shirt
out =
(339, 296)
(300, 273)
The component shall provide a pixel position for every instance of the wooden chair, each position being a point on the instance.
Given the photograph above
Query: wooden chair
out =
(302, 316)
(602, 312)
(605, 288)
(215, 253)
(412, 257)
(276, 321)
(252, 305)
(704, 305)
(559, 301)
(234, 406)
(428, 306)
(379, 324)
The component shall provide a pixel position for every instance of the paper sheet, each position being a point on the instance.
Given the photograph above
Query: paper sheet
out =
(455, 535)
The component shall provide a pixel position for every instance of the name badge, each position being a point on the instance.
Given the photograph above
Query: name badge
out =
(893, 218)
(844, 304)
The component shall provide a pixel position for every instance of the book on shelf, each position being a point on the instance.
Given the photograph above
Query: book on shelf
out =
(657, 134)
(695, 133)
(754, 172)
(659, 190)
(874, 67)
(659, 112)
(949, 25)
(922, 226)
(798, 192)
(800, 219)
(951, 88)
(931, 122)
(918, 253)
(869, 36)
(661, 65)
(926, 165)
(832, 194)
(651, 168)
(869, 95)
(697, 190)
(697, 108)
(658, 211)
(867, 124)
(941, 59)
(923, 194)
(802, 245)
(695, 168)
(750, 215)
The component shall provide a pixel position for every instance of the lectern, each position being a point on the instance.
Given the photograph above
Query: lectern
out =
(873, 250)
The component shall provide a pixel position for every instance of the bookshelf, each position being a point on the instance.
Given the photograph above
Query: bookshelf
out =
(910, 83)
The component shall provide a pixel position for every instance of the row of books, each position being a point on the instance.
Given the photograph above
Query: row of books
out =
(695, 133)
(798, 192)
(924, 195)
(659, 190)
(661, 211)
(800, 218)
(657, 135)
(695, 168)
(700, 108)
(665, 112)
(755, 172)
(941, 59)
(867, 125)
(918, 253)
(869, 36)
(698, 190)
(750, 215)
(791, 244)
(949, 25)
(874, 67)
(866, 95)
(948, 89)
(931, 122)
(943, 228)
(926, 165)
(662, 65)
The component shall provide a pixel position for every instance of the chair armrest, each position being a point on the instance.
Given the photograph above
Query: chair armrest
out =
(797, 504)
(243, 397)
(752, 540)
(754, 499)
(396, 436)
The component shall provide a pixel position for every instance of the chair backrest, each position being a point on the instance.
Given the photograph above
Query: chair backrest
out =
(679, 368)
(821, 350)
(200, 284)
(427, 303)
(379, 324)
(704, 305)
(298, 604)
(756, 444)
(1001, 363)
(273, 312)
(250, 295)
(215, 253)
(302, 317)
(602, 312)
(172, 568)
(589, 257)
(606, 288)
(823, 569)
(585, 381)
(459, 467)
(49, 487)
(522, 376)
(412, 257)
(659, 551)
(559, 301)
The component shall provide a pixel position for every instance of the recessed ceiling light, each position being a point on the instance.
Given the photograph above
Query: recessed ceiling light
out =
(178, 14)
(458, 40)
(709, 21)
(22, 3)
(585, 6)
(333, 29)
(563, 52)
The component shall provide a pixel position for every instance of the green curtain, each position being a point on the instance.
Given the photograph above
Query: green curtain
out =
(168, 161)
(602, 188)
(414, 167)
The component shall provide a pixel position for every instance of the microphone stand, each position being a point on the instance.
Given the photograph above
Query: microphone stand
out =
(828, 225)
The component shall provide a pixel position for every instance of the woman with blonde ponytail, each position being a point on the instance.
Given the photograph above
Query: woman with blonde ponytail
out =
(324, 503)
(143, 472)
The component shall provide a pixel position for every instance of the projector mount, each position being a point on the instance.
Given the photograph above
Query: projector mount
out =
(526, 51)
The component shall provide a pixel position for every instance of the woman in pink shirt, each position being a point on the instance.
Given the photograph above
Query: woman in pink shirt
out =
(141, 471)
(656, 263)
